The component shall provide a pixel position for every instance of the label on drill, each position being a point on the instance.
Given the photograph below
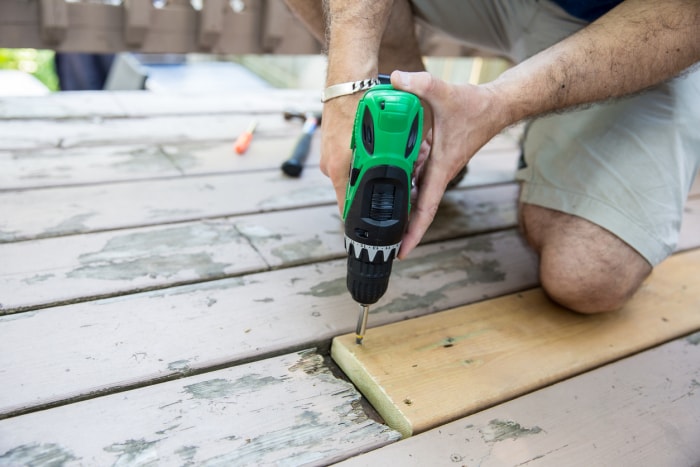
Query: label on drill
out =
(371, 249)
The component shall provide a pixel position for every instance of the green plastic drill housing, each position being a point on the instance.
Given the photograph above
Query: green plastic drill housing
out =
(385, 142)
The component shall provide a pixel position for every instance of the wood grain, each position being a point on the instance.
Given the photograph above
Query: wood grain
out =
(27, 169)
(50, 212)
(425, 372)
(52, 271)
(78, 268)
(71, 133)
(123, 104)
(60, 167)
(143, 338)
(51, 167)
(284, 410)
(642, 410)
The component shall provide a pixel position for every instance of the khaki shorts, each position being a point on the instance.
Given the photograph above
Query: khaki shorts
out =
(625, 165)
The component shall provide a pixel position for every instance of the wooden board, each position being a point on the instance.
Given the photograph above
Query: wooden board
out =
(51, 271)
(48, 167)
(142, 338)
(642, 410)
(60, 167)
(425, 372)
(29, 134)
(60, 211)
(288, 409)
(123, 104)
(79, 268)
(49, 212)
(54, 167)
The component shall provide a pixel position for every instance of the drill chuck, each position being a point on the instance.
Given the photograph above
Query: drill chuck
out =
(367, 279)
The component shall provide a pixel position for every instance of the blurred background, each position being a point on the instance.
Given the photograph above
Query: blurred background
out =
(37, 71)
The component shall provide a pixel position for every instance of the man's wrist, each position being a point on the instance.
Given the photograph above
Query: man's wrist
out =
(347, 88)
(510, 103)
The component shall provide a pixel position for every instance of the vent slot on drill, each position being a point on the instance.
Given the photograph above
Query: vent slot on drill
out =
(412, 138)
(368, 131)
(382, 206)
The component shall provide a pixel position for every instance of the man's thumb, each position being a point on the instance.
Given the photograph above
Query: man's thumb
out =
(422, 83)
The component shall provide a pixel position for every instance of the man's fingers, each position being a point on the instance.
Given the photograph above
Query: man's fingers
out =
(340, 195)
(421, 218)
(430, 194)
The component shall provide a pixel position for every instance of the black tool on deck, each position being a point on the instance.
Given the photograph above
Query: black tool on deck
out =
(295, 164)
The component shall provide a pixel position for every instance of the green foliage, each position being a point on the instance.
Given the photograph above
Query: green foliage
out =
(36, 62)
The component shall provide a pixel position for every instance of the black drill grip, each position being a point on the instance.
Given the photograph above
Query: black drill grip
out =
(367, 281)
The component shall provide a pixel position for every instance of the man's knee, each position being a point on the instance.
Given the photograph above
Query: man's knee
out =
(587, 285)
(582, 266)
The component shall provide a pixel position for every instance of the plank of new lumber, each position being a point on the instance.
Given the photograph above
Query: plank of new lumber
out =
(52, 271)
(89, 348)
(425, 372)
(641, 410)
(288, 409)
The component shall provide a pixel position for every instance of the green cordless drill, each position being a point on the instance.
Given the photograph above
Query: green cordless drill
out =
(385, 142)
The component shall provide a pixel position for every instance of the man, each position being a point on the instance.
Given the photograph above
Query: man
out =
(604, 186)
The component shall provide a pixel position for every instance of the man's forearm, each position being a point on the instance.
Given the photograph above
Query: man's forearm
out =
(354, 34)
(636, 45)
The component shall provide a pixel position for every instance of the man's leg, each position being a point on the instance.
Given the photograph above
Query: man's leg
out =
(604, 189)
(582, 266)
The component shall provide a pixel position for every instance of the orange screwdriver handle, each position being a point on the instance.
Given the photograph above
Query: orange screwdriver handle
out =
(243, 142)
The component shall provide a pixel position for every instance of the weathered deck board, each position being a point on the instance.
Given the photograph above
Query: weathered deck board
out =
(124, 104)
(96, 346)
(58, 270)
(425, 372)
(642, 410)
(103, 164)
(60, 211)
(71, 133)
(495, 163)
(59, 167)
(41, 213)
(285, 410)
(36, 168)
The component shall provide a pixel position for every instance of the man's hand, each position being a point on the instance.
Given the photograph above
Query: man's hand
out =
(337, 123)
(464, 118)
(365, 37)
